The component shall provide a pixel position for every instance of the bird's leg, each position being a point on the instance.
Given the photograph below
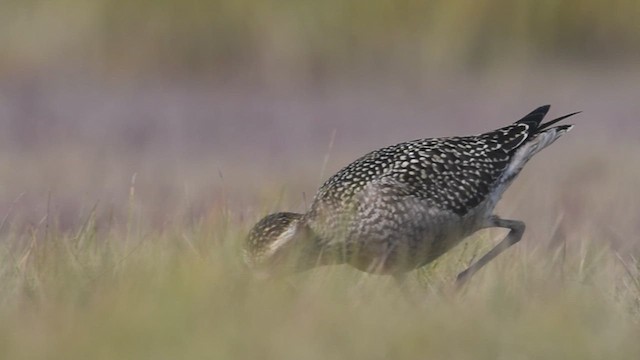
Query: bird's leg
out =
(515, 234)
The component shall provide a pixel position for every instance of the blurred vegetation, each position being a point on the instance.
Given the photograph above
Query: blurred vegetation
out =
(122, 210)
(310, 39)
(101, 293)
(123, 285)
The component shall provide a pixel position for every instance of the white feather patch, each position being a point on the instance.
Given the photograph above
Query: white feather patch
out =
(528, 150)
(284, 238)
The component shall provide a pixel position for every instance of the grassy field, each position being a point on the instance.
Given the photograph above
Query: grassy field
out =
(128, 287)
(140, 140)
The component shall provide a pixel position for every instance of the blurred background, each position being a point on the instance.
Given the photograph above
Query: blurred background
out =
(140, 139)
(213, 106)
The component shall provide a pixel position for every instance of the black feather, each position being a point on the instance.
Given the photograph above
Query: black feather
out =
(554, 121)
(534, 118)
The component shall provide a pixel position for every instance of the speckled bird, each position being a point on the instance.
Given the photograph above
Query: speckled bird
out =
(400, 207)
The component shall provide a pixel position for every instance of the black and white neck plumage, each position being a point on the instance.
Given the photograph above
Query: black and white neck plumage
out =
(400, 207)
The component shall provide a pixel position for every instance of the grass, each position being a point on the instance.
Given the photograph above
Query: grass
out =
(124, 208)
(183, 294)
(126, 289)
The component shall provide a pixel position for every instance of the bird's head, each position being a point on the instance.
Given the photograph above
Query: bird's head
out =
(271, 241)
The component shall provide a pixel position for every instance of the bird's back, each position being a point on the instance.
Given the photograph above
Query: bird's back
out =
(453, 173)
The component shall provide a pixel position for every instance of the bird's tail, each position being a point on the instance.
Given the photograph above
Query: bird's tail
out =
(540, 136)
(534, 145)
(534, 120)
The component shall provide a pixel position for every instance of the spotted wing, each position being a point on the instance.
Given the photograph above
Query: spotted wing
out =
(457, 174)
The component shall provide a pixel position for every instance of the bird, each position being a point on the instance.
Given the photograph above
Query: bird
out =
(400, 207)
